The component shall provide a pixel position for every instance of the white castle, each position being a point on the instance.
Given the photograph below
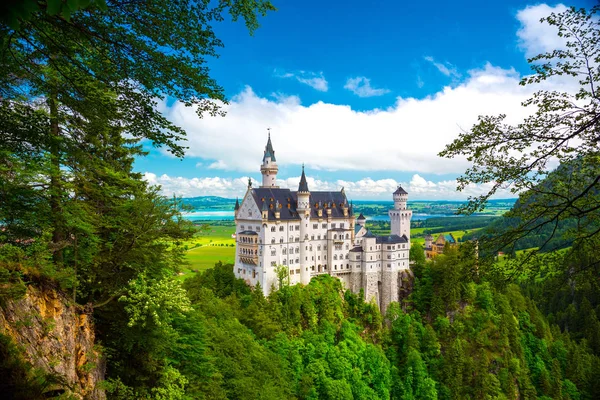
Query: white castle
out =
(314, 233)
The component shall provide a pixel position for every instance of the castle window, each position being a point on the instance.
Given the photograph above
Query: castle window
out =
(297, 260)
(324, 226)
(335, 256)
(273, 229)
(291, 272)
(347, 236)
(280, 240)
(297, 250)
(333, 225)
(341, 224)
(319, 247)
(281, 228)
(272, 240)
(347, 266)
(334, 237)
(318, 237)
(258, 229)
(347, 256)
(284, 251)
(312, 258)
(241, 227)
(403, 245)
(312, 237)
(315, 226)
(297, 271)
(325, 247)
(335, 267)
(274, 252)
(389, 265)
(273, 263)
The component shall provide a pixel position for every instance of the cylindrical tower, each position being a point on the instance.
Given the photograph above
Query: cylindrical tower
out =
(303, 209)
(269, 168)
(400, 215)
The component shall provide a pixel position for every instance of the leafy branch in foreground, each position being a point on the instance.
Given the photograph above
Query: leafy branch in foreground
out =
(563, 129)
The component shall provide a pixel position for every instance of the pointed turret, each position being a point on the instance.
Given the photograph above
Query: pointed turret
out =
(269, 168)
(269, 152)
(237, 204)
(303, 186)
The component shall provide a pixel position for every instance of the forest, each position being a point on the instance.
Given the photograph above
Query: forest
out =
(80, 88)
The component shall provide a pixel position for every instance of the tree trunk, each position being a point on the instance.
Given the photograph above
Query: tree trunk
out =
(58, 235)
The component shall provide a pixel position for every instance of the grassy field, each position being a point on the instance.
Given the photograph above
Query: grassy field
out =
(208, 247)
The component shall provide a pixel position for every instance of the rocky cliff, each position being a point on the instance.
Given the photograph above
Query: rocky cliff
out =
(56, 339)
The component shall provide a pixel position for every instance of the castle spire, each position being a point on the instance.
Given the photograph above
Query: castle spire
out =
(269, 152)
(237, 204)
(303, 187)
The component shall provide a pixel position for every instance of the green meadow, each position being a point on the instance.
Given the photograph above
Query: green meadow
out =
(211, 243)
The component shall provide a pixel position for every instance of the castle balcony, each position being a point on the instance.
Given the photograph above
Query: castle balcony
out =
(253, 260)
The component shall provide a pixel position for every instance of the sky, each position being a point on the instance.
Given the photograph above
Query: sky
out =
(365, 96)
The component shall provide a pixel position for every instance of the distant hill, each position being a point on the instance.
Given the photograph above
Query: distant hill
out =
(367, 207)
(209, 202)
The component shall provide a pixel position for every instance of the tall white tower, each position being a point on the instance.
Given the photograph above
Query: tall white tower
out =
(269, 168)
(303, 209)
(400, 216)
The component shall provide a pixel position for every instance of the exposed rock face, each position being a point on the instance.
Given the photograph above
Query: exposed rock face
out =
(57, 338)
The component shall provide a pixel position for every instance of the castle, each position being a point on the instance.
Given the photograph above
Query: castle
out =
(314, 233)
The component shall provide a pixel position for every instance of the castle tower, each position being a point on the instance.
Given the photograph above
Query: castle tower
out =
(303, 209)
(400, 216)
(269, 168)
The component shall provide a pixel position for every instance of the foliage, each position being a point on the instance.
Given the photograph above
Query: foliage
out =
(563, 127)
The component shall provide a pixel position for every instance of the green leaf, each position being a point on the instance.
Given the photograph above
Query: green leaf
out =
(53, 7)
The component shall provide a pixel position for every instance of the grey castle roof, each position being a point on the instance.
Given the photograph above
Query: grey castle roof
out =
(303, 186)
(269, 152)
(369, 234)
(400, 191)
(356, 249)
(237, 204)
(361, 216)
(391, 239)
(265, 197)
(249, 233)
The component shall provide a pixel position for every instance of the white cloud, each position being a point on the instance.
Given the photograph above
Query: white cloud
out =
(314, 80)
(219, 164)
(361, 87)
(418, 188)
(445, 68)
(535, 37)
(404, 137)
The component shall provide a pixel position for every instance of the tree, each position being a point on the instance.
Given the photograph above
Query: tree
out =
(69, 68)
(564, 127)
(283, 276)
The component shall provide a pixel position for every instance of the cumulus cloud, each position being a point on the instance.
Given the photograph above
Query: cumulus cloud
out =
(445, 68)
(407, 136)
(312, 79)
(418, 187)
(361, 87)
(534, 37)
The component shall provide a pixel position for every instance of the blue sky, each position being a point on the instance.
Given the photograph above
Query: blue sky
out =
(365, 96)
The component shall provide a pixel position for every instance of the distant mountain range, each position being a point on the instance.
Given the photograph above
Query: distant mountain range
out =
(371, 207)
